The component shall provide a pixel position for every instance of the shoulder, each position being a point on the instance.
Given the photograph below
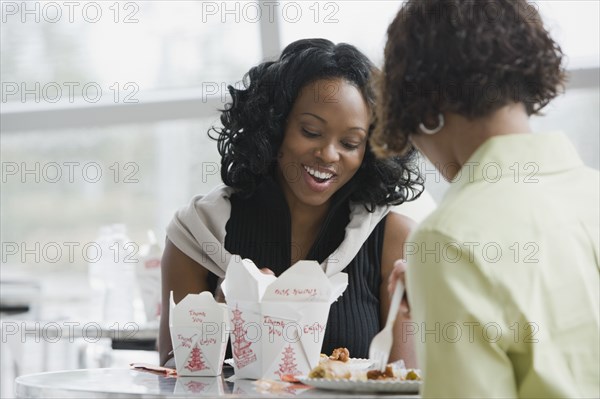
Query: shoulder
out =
(218, 194)
(202, 219)
(216, 201)
(398, 227)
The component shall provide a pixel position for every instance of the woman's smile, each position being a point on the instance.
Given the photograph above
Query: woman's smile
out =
(317, 179)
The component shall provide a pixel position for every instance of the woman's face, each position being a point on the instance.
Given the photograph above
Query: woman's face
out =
(324, 142)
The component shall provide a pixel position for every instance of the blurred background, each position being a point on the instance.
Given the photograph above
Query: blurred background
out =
(104, 113)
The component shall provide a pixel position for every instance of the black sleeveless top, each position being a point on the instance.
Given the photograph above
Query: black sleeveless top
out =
(259, 228)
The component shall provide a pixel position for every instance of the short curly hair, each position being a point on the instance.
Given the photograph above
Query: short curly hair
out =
(253, 123)
(466, 57)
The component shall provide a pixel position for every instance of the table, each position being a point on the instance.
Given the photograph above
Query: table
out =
(127, 383)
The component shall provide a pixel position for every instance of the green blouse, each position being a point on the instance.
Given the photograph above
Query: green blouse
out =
(503, 278)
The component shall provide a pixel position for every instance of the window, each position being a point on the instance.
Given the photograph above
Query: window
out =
(60, 186)
(105, 112)
(130, 89)
(154, 45)
(361, 23)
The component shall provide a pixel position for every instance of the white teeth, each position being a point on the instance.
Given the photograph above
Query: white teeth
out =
(317, 174)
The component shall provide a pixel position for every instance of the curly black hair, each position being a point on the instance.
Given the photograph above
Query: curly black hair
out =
(466, 57)
(253, 123)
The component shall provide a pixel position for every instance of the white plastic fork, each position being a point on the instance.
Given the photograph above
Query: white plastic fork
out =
(381, 345)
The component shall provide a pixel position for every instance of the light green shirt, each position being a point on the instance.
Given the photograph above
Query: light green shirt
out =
(503, 278)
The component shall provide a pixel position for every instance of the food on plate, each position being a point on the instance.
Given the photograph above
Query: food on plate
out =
(381, 375)
(341, 354)
(331, 370)
(412, 375)
(339, 366)
(334, 366)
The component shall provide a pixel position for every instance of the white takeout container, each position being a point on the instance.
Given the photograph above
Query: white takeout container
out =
(199, 333)
(278, 324)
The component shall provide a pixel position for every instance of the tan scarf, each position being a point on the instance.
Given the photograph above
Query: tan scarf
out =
(198, 230)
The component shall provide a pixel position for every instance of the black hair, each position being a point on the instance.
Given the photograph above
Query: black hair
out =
(254, 122)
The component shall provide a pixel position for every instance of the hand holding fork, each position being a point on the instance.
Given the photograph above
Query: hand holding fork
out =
(381, 345)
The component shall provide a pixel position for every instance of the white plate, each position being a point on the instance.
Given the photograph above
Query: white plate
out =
(358, 364)
(363, 386)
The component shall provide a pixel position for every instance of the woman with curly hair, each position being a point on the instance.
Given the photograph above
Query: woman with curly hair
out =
(301, 182)
(502, 277)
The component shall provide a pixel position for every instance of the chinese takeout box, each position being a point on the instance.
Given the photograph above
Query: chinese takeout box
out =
(278, 324)
(199, 333)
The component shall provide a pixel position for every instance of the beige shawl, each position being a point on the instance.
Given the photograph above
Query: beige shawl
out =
(198, 230)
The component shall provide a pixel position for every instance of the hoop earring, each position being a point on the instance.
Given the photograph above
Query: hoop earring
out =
(436, 129)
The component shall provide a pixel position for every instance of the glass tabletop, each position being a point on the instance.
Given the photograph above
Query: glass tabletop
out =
(128, 383)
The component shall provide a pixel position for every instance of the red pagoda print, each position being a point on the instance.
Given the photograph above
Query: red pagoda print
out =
(196, 362)
(195, 386)
(288, 363)
(242, 353)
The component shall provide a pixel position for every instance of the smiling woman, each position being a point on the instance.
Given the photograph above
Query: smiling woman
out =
(324, 141)
(255, 121)
(301, 182)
